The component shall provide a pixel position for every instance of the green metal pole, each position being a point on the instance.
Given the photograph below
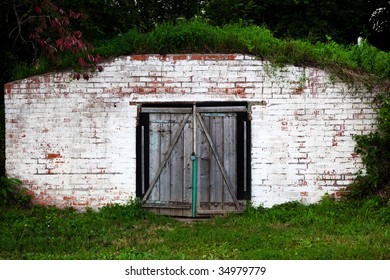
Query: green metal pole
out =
(194, 183)
(193, 158)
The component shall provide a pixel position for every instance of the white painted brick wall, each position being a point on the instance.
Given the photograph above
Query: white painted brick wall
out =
(72, 142)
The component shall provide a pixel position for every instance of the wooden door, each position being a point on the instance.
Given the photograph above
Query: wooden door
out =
(166, 143)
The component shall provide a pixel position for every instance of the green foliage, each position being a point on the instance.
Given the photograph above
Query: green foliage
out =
(117, 212)
(11, 194)
(374, 149)
(328, 230)
(197, 36)
(369, 58)
(313, 20)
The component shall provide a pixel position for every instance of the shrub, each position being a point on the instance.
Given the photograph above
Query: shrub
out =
(374, 149)
(11, 194)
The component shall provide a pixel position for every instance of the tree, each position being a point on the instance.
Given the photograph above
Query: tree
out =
(36, 27)
(49, 31)
(153, 12)
(316, 20)
(380, 25)
(108, 18)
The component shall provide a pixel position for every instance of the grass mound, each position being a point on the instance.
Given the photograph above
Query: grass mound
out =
(363, 62)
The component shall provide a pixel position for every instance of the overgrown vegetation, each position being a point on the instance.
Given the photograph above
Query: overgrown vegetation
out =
(344, 20)
(374, 149)
(12, 194)
(197, 36)
(329, 230)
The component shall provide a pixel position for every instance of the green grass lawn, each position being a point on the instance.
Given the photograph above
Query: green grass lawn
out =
(328, 230)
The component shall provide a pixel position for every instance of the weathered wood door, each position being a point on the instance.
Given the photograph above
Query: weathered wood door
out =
(193, 161)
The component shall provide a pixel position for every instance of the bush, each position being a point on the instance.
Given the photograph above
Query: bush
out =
(11, 194)
(374, 149)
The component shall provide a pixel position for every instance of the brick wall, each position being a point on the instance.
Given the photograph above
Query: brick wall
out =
(72, 142)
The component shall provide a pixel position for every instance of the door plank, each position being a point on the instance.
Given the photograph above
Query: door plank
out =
(230, 151)
(204, 157)
(216, 178)
(166, 158)
(165, 142)
(177, 161)
(154, 157)
(187, 168)
(225, 177)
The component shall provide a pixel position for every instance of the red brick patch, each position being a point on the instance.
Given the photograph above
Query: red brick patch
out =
(180, 57)
(7, 88)
(80, 203)
(235, 91)
(51, 156)
(140, 57)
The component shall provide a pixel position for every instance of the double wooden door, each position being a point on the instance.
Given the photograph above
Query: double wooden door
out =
(193, 160)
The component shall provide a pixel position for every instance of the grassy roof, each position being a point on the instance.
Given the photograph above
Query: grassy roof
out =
(352, 63)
